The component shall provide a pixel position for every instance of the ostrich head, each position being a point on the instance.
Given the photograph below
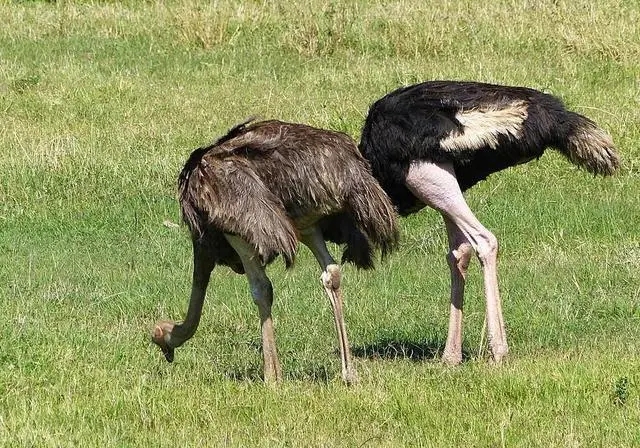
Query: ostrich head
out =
(161, 336)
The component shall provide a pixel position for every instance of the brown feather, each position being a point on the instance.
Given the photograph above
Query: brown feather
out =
(267, 181)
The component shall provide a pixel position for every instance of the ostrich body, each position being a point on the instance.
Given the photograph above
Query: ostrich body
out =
(429, 142)
(255, 193)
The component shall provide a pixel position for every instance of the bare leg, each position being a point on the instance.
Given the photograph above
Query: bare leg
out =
(458, 258)
(435, 184)
(169, 335)
(331, 278)
(262, 292)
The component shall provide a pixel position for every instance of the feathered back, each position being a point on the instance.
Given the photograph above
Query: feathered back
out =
(265, 180)
(227, 195)
(478, 128)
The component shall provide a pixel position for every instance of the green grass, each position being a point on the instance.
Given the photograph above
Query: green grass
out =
(101, 103)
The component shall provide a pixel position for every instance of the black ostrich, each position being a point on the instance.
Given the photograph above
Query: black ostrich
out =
(255, 193)
(429, 142)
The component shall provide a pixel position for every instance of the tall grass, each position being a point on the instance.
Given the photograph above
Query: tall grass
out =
(100, 104)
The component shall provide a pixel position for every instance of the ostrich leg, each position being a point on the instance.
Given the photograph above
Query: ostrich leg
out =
(331, 279)
(458, 258)
(435, 184)
(262, 292)
(169, 335)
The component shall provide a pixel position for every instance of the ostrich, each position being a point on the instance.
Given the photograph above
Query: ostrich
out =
(429, 142)
(257, 191)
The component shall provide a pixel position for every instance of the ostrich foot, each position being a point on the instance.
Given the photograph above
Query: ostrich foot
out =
(272, 371)
(452, 358)
(350, 377)
(498, 353)
(161, 336)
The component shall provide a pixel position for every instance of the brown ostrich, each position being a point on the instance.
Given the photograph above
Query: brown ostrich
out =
(429, 142)
(256, 192)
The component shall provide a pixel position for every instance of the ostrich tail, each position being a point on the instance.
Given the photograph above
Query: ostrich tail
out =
(588, 146)
(192, 216)
(375, 218)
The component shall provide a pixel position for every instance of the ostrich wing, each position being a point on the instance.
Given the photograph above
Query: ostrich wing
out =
(227, 195)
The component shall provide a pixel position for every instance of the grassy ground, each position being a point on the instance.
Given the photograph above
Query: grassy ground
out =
(100, 104)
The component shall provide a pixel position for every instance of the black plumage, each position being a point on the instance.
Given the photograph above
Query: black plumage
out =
(410, 123)
(429, 142)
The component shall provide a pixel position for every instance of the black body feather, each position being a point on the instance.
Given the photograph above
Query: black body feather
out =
(412, 123)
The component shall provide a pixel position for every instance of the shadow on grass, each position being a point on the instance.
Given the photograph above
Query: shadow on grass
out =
(430, 350)
(384, 349)
(315, 374)
(249, 374)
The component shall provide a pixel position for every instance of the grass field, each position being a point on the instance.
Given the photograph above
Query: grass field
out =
(101, 103)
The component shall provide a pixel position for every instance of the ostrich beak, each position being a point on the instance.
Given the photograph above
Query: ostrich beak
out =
(159, 338)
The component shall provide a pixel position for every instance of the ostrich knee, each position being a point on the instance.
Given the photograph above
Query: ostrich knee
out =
(459, 259)
(332, 277)
(262, 293)
(487, 248)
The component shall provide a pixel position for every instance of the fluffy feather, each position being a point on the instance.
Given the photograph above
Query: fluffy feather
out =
(268, 180)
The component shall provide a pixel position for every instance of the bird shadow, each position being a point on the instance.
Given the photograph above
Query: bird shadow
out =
(383, 349)
(393, 349)
(293, 371)
(312, 374)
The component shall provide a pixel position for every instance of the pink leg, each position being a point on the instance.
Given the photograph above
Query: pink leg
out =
(435, 184)
(458, 258)
(331, 279)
